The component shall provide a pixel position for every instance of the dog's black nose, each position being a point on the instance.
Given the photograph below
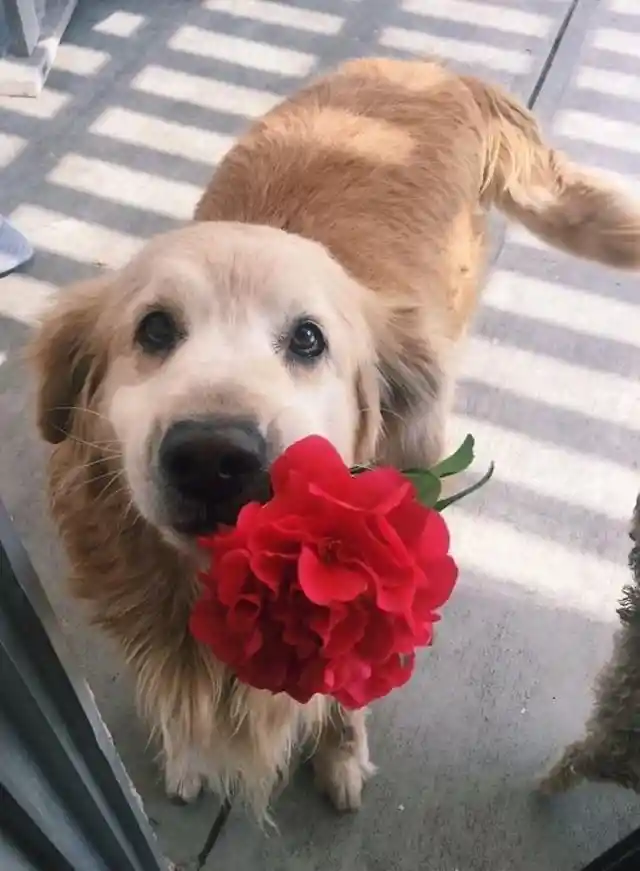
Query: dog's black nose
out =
(212, 460)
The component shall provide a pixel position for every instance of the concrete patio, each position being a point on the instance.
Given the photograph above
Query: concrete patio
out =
(144, 97)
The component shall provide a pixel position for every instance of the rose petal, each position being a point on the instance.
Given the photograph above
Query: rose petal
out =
(273, 569)
(408, 520)
(395, 600)
(391, 675)
(247, 518)
(281, 526)
(377, 642)
(270, 668)
(383, 550)
(205, 616)
(422, 636)
(311, 458)
(315, 678)
(345, 633)
(323, 619)
(231, 575)
(321, 589)
(244, 614)
(381, 490)
(434, 542)
(435, 585)
(208, 624)
(351, 682)
(324, 583)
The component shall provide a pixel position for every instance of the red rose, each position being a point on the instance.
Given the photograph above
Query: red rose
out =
(330, 586)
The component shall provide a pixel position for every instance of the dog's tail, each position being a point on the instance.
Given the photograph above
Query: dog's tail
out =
(562, 203)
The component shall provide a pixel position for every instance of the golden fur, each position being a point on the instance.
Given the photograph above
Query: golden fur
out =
(360, 200)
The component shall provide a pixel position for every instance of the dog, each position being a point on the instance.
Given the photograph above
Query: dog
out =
(610, 749)
(332, 269)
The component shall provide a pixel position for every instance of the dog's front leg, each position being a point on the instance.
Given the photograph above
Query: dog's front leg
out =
(341, 761)
(184, 780)
(608, 758)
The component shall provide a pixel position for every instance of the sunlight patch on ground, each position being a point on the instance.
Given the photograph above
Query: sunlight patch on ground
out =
(45, 107)
(211, 94)
(585, 481)
(589, 127)
(81, 241)
(25, 299)
(564, 577)
(553, 303)
(10, 147)
(609, 82)
(243, 52)
(169, 137)
(617, 41)
(278, 13)
(419, 42)
(118, 184)
(120, 23)
(492, 15)
(80, 60)
(600, 395)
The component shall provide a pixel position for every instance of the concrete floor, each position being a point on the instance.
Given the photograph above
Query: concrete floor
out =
(144, 97)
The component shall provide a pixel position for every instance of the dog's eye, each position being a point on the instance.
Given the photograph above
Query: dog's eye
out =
(307, 341)
(158, 332)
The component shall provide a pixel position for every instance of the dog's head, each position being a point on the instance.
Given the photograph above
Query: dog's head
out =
(201, 360)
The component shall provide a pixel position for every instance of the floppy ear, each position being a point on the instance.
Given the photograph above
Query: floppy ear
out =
(413, 391)
(66, 357)
(370, 422)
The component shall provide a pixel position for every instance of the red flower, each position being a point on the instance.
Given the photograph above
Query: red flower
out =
(330, 586)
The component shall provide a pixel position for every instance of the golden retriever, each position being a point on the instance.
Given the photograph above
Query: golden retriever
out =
(333, 267)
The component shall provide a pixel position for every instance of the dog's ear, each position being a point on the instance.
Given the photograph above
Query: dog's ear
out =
(66, 357)
(413, 392)
(409, 362)
(370, 421)
(411, 379)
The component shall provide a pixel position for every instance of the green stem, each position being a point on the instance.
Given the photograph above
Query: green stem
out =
(444, 503)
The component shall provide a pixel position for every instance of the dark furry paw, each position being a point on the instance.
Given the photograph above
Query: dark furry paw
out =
(565, 774)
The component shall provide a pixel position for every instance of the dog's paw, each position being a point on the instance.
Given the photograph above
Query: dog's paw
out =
(184, 790)
(545, 783)
(342, 779)
(566, 773)
(559, 779)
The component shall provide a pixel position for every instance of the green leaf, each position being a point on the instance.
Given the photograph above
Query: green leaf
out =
(457, 462)
(444, 503)
(428, 487)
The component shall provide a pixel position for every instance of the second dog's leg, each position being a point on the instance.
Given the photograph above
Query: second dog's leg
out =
(611, 761)
(341, 761)
(568, 772)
